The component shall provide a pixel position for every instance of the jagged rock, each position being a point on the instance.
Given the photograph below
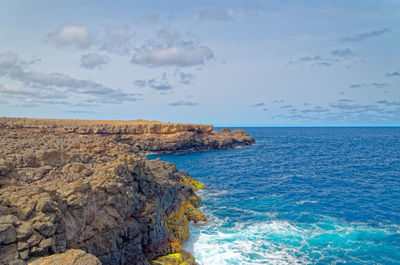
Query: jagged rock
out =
(17, 262)
(70, 257)
(9, 219)
(88, 185)
(45, 228)
(24, 254)
(8, 253)
(7, 234)
(43, 248)
(24, 231)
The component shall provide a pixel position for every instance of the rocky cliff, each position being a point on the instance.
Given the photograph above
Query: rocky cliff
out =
(87, 185)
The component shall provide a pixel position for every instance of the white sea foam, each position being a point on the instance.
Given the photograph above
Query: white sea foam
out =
(246, 244)
(279, 242)
(303, 202)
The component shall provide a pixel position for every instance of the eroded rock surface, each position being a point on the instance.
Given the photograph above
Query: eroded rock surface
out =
(70, 257)
(90, 187)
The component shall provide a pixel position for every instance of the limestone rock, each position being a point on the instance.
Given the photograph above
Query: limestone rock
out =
(88, 185)
(70, 257)
(24, 231)
(7, 234)
(8, 252)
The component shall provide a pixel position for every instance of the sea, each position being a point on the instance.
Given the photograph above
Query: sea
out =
(299, 196)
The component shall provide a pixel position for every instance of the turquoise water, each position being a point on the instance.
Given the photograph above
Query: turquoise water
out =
(300, 196)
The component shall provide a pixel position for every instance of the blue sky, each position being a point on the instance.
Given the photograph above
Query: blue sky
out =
(235, 63)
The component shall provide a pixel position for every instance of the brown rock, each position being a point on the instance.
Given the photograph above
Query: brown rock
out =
(45, 228)
(9, 219)
(70, 257)
(43, 248)
(8, 253)
(24, 231)
(69, 184)
(7, 234)
(17, 262)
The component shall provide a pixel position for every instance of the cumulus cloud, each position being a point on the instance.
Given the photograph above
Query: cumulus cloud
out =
(93, 60)
(366, 35)
(54, 85)
(170, 50)
(181, 54)
(183, 103)
(396, 73)
(72, 35)
(8, 60)
(215, 14)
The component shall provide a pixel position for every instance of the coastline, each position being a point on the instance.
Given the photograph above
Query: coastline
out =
(94, 189)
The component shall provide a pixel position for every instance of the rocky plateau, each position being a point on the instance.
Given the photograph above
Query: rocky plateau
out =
(83, 192)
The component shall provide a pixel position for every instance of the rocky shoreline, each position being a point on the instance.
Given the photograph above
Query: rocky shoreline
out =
(69, 185)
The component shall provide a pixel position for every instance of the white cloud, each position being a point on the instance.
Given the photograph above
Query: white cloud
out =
(169, 49)
(72, 35)
(182, 54)
(93, 60)
(8, 59)
(39, 85)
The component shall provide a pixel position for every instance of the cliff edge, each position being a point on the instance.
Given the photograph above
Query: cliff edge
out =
(87, 185)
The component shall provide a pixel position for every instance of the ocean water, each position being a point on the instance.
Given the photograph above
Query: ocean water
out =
(299, 196)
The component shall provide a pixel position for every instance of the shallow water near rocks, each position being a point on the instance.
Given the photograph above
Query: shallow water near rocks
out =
(299, 196)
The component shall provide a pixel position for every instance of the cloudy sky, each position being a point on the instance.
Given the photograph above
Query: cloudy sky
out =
(235, 63)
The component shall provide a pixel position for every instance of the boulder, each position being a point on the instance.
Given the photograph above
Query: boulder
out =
(70, 257)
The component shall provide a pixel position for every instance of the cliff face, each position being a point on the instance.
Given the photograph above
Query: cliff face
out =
(62, 189)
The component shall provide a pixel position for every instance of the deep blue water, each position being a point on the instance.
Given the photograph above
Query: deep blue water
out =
(300, 196)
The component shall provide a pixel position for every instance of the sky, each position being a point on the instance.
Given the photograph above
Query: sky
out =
(226, 63)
